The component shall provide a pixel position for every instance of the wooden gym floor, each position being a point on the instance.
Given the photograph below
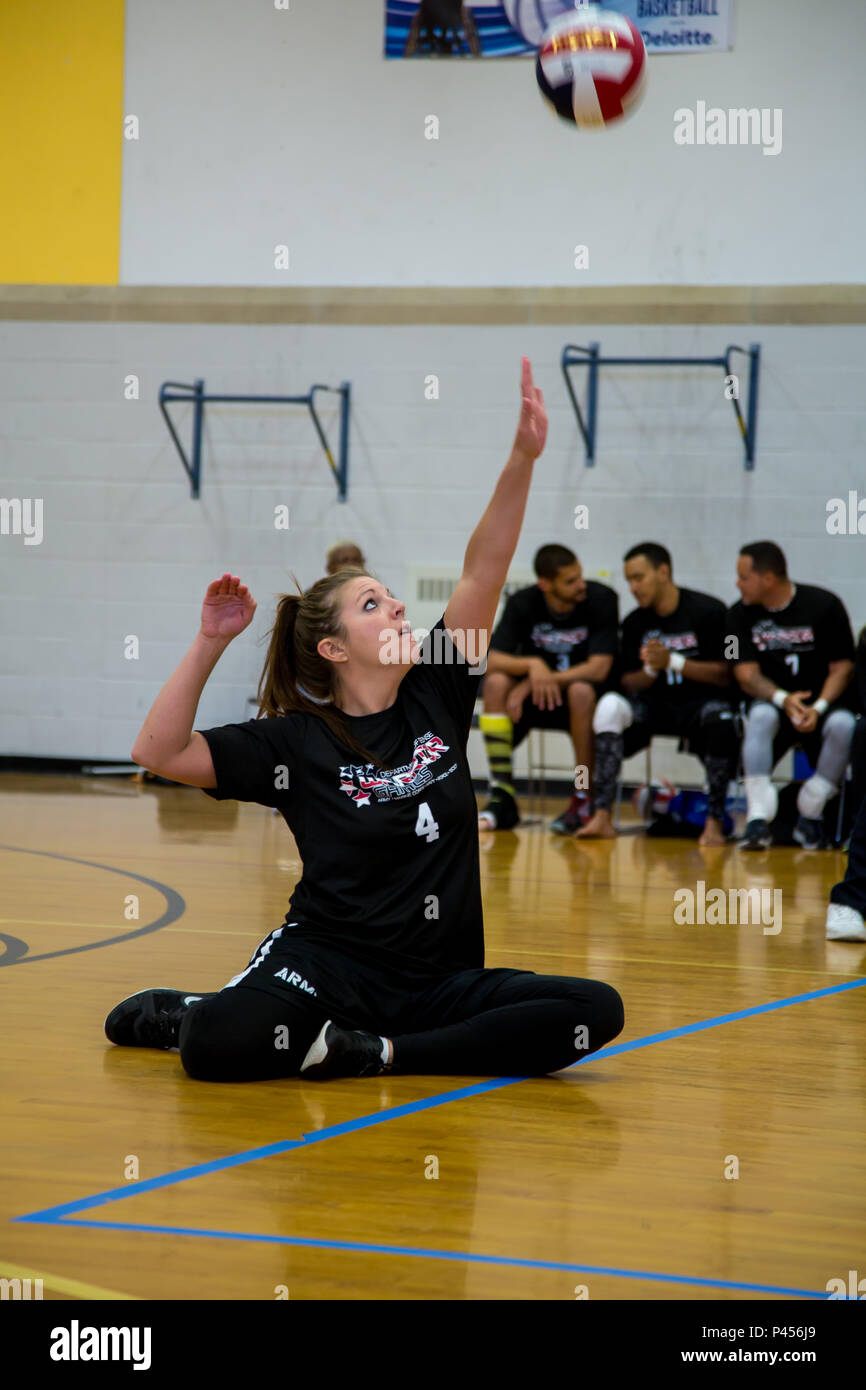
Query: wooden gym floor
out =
(742, 1052)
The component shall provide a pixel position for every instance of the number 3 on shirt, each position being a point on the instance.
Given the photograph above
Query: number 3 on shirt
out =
(425, 824)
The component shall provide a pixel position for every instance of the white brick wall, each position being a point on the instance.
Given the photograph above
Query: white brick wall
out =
(126, 550)
(261, 128)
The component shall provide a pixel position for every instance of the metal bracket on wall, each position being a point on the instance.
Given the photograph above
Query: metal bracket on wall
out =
(196, 394)
(593, 360)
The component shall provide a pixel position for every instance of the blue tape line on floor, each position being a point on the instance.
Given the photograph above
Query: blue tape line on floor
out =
(462, 1257)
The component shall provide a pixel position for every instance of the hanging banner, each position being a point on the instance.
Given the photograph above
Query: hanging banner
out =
(681, 26)
(513, 28)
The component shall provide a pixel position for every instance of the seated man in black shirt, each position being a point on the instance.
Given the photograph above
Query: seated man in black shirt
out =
(548, 659)
(676, 681)
(846, 912)
(791, 635)
(857, 790)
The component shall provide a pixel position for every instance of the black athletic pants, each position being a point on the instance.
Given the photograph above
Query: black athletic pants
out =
(706, 728)
(557, 718)
(851, 892)
(473, 1023)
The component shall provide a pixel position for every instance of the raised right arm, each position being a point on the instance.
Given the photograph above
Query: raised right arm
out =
(166, 743)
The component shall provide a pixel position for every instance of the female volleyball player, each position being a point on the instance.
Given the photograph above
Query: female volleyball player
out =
(378, 964)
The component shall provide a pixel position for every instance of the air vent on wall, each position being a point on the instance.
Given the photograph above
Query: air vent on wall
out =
(430, 587)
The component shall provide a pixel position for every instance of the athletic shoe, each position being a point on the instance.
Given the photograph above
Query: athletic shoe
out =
(574, 816)
(809, 833)
(150, 1018)
(501, 811)
(343, 1052)
(845, 923)
(757, 835)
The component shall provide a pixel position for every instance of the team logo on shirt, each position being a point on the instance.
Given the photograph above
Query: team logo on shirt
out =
(360, 783)
(674, 641)
(769, 637)
(557, 639)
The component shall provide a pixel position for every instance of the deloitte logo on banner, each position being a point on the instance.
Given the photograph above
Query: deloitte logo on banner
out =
(680, 26)
(666, 26)
(511, 28)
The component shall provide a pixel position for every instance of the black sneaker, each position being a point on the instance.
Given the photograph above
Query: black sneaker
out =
(574, 816)
(809, 833)
(501, 810)
(343, 1052)
(757, 836)
(151, 1018)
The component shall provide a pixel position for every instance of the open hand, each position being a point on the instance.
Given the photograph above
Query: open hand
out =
(227, 609)
(545, 691)
(532, 425)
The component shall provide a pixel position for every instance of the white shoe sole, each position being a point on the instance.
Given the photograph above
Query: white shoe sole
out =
(318, 1051)
(846, 934)
(850, 928)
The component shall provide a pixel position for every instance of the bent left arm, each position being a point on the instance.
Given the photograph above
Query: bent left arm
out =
(472, 607)
(707, 672)
(839, 677)
(595, 669)
(656, 655)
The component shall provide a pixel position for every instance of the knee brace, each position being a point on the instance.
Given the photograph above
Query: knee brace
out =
(720, 724)
(762, 725)
(836, 736)
(763, 720)
(814, 795)
(838, 732)
(613, 715)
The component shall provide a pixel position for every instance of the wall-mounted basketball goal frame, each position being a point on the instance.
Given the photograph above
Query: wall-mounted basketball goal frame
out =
(195, 394)
(592, 360)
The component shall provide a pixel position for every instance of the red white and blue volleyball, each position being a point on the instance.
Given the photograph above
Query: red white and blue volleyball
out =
(591, 66)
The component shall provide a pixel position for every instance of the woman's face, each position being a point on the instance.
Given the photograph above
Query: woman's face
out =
(377, 632)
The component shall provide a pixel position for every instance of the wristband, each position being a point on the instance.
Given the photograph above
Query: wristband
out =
(676, 661)
(780, 697)
(821, 706)
(648, 671)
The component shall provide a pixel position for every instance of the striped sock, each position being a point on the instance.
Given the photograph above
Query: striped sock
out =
(498, 732)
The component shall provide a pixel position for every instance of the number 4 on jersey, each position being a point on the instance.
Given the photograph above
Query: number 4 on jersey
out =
(425, 824)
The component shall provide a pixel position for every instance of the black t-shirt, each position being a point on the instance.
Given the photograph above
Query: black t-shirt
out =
(795, 646)
(696, 629)
(860, 672)
(390, 858)
(529, 628)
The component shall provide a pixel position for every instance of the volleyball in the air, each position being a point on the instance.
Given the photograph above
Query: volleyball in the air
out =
(591, 66)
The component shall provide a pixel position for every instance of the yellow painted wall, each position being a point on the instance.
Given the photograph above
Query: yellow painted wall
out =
(61, 138)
